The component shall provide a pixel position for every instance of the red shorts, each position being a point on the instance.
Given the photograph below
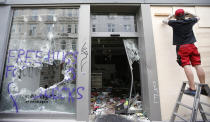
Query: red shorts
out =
(188, 54)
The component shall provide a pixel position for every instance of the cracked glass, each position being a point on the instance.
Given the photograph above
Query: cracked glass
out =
(40, 69)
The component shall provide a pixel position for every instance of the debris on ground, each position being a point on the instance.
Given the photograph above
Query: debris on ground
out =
(105, 103)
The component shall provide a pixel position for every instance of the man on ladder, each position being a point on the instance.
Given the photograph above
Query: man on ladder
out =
(187, 52)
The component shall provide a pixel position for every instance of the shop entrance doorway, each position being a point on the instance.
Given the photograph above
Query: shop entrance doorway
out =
(111, 78)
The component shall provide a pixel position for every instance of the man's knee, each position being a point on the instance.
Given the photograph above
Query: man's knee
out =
(197, 66)
(187, 67)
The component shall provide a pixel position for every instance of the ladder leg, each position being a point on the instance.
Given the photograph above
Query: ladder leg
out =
(207, 89)
(195, 104)
(178, 100)
(202, 114)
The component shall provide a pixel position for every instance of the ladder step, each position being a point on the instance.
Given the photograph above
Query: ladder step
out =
(180, 117)
(208, 114)
(186, 106)
(205, 104)
(188, 94)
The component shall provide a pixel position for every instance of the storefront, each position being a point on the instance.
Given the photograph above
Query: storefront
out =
(61, 58)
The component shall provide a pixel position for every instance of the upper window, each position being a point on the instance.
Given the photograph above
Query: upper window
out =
(111, 27)
(113, 22)
(127, 28)
(32, 30)
(69, 29)
(40, 70)
(93, 28)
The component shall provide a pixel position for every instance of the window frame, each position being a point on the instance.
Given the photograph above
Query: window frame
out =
(111, 27)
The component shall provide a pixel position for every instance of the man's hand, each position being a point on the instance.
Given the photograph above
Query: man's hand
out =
(165, 21)
(188, 14)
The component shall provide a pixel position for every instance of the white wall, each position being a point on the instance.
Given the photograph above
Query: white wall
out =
(170, 74)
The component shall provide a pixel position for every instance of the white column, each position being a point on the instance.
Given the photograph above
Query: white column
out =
(84, 62)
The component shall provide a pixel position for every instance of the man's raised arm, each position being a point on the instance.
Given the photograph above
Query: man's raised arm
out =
(165, 21)
(191, 15)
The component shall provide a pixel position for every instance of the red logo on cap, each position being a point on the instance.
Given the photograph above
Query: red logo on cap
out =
(179, 12)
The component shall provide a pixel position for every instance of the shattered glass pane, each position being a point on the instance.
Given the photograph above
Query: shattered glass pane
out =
(133, 55)
(40, 71)
(132, 50)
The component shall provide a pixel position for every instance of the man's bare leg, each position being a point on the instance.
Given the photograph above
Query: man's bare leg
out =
(200, 73)
(190, 76)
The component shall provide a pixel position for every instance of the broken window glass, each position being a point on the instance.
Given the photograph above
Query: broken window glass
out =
(133, 55)
(40, 71)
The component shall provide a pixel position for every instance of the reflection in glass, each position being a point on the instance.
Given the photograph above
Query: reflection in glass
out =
(93, 28)
(112, 22)
(111, 27)
(127, 28)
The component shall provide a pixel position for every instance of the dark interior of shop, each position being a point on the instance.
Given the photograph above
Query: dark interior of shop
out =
(111, 75)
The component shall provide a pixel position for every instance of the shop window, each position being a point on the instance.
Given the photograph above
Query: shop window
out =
(40, 69)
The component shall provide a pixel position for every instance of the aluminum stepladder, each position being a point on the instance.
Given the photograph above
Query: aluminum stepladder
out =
(197, 105)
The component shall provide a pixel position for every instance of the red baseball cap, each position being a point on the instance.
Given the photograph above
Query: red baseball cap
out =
(179, 12)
